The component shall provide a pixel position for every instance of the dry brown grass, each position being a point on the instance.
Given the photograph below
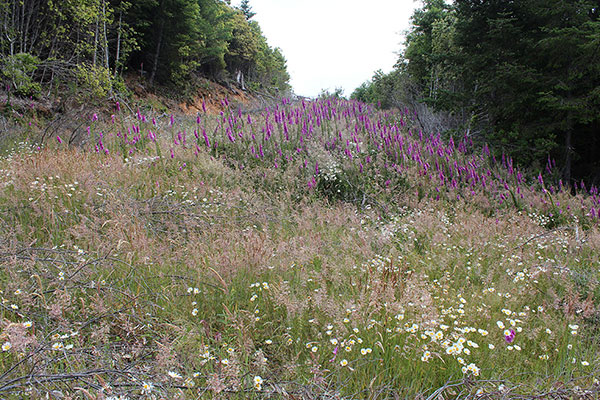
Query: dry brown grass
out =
(150, 272)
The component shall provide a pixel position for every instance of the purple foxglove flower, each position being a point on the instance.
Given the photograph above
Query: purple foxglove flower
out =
(510, 337)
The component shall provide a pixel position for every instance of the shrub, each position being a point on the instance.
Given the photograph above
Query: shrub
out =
(17, 73)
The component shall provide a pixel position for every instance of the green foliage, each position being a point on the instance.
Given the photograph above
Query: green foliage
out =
(166, 41)
(531, 69)
(244, 45)
(334, 185)
(95, 80)
(181, 38)
(18, 71)
(384, 90)
(338, 93)
(522, 75)
(246, 9)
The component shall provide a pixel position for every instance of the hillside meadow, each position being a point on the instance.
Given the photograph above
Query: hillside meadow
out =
(308, 250)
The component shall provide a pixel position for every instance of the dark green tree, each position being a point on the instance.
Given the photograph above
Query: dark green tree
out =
(533, 67)
(246, 9)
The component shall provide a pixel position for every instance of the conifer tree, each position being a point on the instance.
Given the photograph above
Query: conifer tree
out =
(246, 9)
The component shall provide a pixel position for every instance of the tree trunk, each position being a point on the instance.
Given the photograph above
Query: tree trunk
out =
(117, 56)
(569, 156)
(22, 28)
(95, 57)
(157, 53)
(106, 65)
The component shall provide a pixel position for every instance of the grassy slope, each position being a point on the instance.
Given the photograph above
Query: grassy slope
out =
(190, 275)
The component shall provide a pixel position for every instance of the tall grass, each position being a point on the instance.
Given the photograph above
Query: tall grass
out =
(311, 250)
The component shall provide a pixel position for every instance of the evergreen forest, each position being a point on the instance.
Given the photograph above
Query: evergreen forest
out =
(523, 76)
(49, 44)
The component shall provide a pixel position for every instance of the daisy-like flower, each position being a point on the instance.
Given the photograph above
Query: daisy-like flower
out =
(574, 329)
(258, 381)
(225, 361)
(6, 346)
(314, 349)
(268, 341)
(474, 369)
(195, 312)
(426, 356)
(57, 346)
(189, 383)
(27, 324)
(147, 388)
(344, 362)
(500, 324)
(174, 375)
(585, 363)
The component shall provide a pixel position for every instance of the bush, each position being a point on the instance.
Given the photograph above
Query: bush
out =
(17, 73)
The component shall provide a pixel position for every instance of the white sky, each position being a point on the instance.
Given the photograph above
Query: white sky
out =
(334, 43)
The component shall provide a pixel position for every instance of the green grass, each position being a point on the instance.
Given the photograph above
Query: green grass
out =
(197, 280)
